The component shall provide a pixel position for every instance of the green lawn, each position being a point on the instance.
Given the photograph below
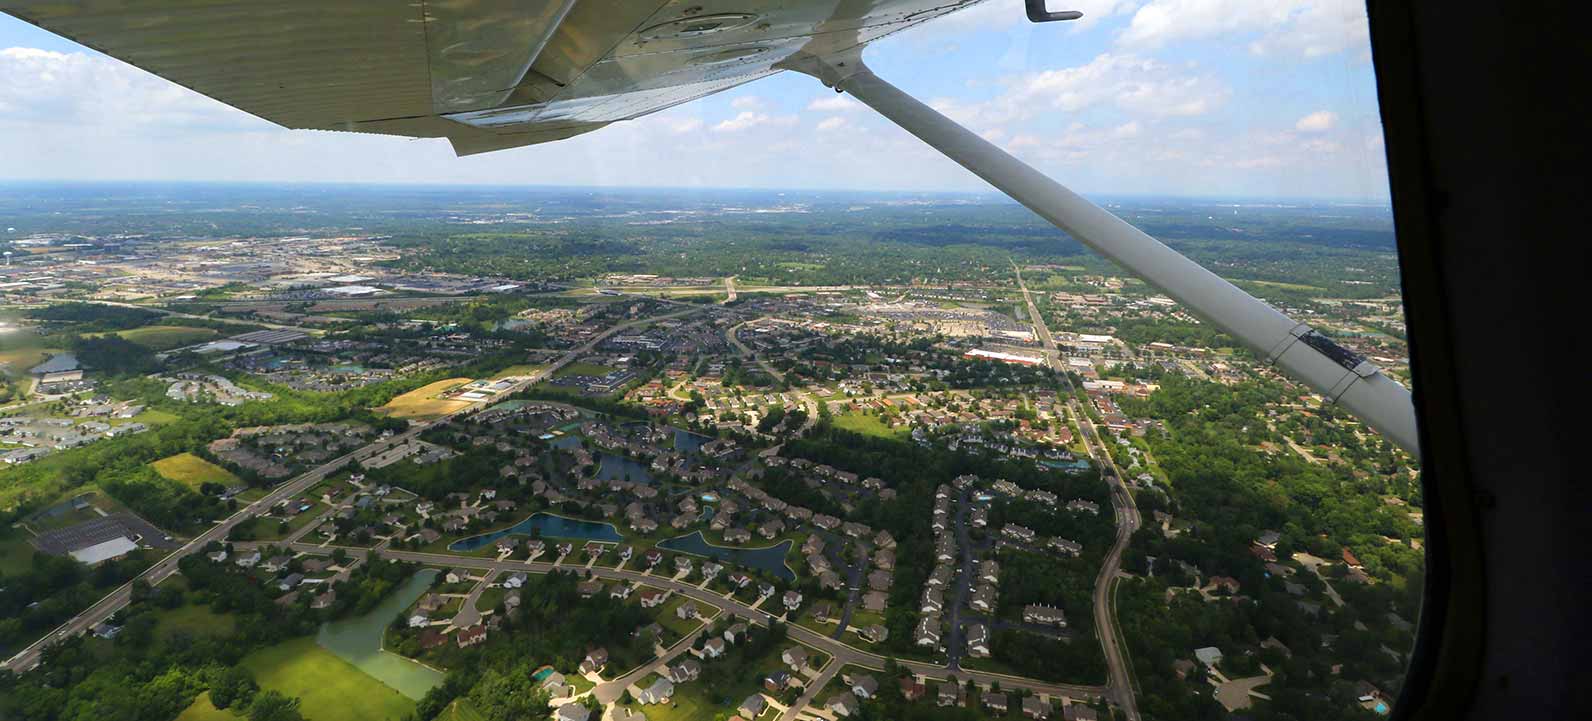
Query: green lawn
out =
(193, 471)
(330, 688)
(462, 709)
(583, 369)
(16, 554)
(203, 710)
(684, 627)
(689, 704)
(869, 425)
(166, 337)
(268, 529)
(193, 619)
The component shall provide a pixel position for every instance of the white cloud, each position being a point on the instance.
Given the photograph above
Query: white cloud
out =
(1317, 122)
(1320, 28)
(681, 126)
(65, 89)
(833, 122)
(1131, 83)
(1308, 28)
(742, 121)
(836, 103)
(747, 102)
(747, 119)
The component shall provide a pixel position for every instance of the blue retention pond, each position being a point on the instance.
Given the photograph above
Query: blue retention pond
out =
(550, 526)
(767, 558)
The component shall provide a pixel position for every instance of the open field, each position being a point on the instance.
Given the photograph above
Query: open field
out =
(688, 704)
(16, 554)
(868, 425)
(194, 620)
(16, 361)
(460, 710)
(422, 403)
(583, 369)
(518, 370)
(193, 471)
(332, 689)
(203, 710)
(166, 337)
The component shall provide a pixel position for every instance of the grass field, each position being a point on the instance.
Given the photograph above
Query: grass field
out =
(331, 689)
(682, 626)
(583, 369)
(868, 425)
(193, 471)
(195, 620)
(203, 710)
(519, 370)
(16, 554)
(689, 704)
(16, 361)
(422, 403)
(166, 337)
(460, 710)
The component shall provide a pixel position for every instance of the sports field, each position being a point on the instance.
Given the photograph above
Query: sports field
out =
(422, 403)
(193, 471)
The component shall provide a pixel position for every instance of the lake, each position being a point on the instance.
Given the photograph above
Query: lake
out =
(550, 526)
(768, 558)
(358, 641)
(687, 442)
(619, 468)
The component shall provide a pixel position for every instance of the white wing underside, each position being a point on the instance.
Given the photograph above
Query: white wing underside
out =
(486, 74)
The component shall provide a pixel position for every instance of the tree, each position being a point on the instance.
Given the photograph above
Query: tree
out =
(274, 706)
(233, 686)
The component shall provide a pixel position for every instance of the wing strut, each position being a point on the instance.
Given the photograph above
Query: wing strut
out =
(1304, 353)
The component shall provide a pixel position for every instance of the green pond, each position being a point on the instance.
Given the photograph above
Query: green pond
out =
(358, 641)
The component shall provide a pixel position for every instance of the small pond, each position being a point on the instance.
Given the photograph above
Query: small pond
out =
(619, 468)
(357, 640)
(768, 558)
(550, 526)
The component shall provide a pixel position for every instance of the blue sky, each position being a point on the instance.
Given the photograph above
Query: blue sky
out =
(1269, 98)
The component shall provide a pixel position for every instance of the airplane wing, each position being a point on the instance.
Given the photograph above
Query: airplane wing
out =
(485, 74)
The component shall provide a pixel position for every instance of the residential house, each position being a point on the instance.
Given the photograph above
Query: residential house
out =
(467, 637)
(1044, 615)
(950, 693)
(753, 706)
(660, 691)
(572, 712)
(844, 704)
(595, 660)
(685, 671)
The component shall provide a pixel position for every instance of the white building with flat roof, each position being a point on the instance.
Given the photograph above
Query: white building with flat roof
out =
(105, 550)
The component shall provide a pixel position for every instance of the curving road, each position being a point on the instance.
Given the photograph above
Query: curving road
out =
(1105, 600)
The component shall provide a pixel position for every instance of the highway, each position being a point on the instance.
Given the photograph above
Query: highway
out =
(28, 658)
(1120, 681)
